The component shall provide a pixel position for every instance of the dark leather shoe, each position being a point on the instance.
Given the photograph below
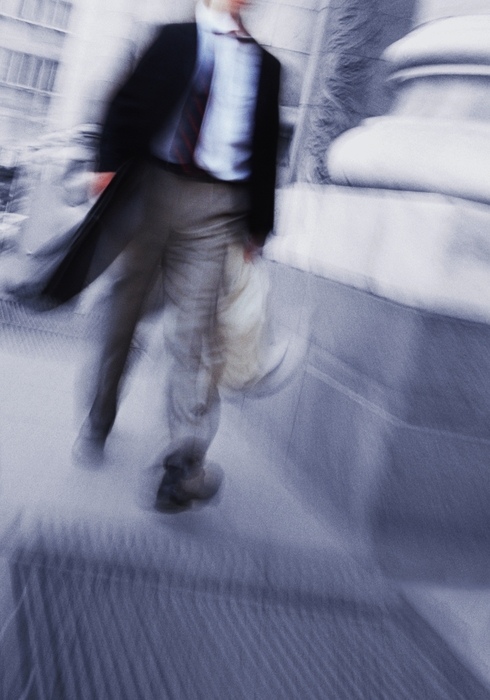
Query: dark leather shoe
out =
(180, 496)
(186, 480)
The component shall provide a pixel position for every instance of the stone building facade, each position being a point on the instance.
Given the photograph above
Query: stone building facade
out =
(390, 266)
(32, 43)
(60, 61)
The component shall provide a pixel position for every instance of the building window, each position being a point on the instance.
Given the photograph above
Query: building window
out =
(52, 13)
(28, 71)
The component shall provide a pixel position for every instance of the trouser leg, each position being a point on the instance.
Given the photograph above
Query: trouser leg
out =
(194, 352)
(131, 276)
(194, 264)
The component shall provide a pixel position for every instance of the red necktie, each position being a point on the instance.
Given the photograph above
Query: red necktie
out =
(188, 129)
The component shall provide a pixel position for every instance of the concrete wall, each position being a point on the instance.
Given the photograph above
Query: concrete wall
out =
(385, 428)
(389, 425)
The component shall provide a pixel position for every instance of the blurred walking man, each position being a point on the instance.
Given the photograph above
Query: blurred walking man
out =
(201, 111)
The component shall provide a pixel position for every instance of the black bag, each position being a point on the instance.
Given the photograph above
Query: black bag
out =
(71, 275)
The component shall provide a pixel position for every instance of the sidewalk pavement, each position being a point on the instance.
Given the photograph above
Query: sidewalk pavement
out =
(249, 596)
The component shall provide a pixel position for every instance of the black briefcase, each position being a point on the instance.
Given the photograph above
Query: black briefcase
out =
(71, 275)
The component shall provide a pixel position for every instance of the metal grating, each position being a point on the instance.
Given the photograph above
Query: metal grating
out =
(51, 333)
(121, 613)
(87, 632)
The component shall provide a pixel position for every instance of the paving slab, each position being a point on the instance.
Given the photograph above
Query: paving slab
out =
(253, 595)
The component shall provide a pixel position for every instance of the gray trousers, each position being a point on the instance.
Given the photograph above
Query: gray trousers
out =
(185, 231)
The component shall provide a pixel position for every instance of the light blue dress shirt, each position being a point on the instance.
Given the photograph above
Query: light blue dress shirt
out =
(224, 146)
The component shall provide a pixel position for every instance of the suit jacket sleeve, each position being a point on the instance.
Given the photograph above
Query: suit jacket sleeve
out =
(146, 99)
(264, 151)
(141, 105)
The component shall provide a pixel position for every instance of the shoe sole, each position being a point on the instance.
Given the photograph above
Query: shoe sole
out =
(194, 491)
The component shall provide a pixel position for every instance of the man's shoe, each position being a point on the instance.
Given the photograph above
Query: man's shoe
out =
(185, 479)
(205, 484)
(171, 496)
(178, 497)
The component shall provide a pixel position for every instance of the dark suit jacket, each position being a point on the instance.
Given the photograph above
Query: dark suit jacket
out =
(135, 114)
(147, 98)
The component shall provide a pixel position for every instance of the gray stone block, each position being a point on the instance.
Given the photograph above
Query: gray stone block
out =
(379, 94)
(370, 335)
(398, 8)
(434, 370)
(260, 20)
(322, 448)
(395, 22)
(294, 28)
(434, 481)
(288, 303)
(294, 66)
(431, 10)
(271, 420)
(447, 383)
(387, 427)
(308, 4)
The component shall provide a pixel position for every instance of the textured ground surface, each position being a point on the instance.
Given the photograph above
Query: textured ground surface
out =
(254, 596)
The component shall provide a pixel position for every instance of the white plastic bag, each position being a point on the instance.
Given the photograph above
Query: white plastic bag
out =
(242, 320)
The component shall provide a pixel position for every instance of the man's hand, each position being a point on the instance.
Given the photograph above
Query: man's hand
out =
(100, 182)
(252, 250)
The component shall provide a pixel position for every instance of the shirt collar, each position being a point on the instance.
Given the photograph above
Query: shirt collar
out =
(213, 21)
